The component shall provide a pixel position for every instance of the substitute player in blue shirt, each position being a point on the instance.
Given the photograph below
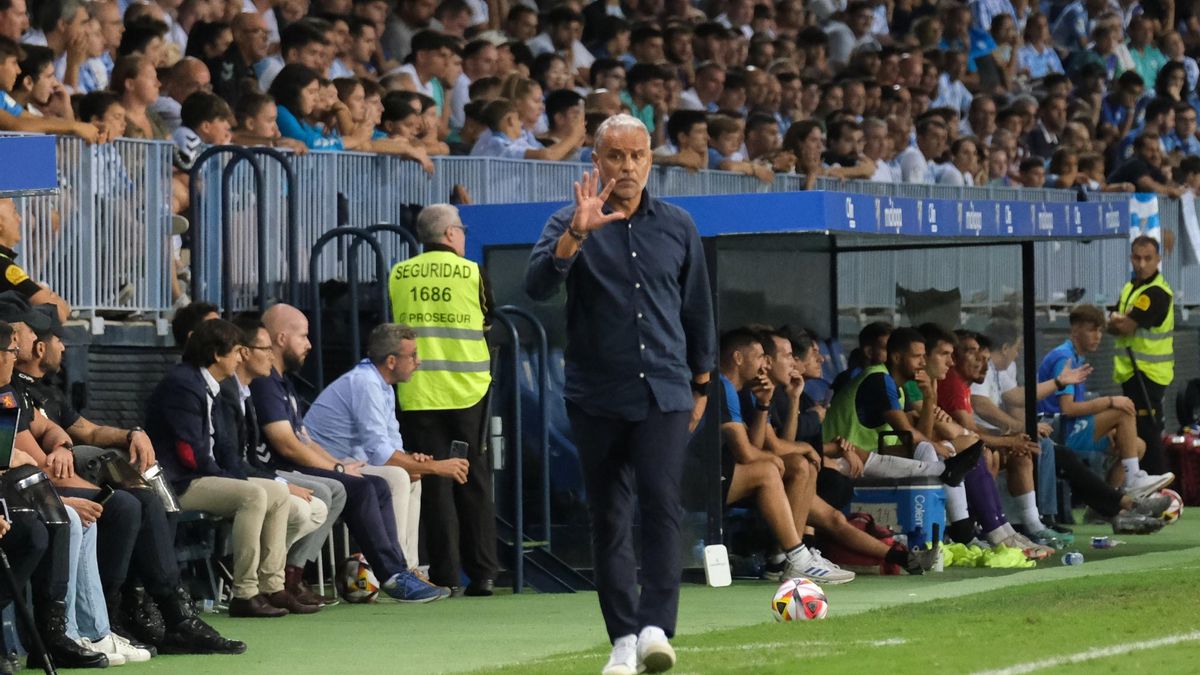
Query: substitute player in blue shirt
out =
(641, 348)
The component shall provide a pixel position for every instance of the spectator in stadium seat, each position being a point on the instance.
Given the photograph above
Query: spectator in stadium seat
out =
(479, 61)
(724, 150)
(704, 95)
(14, 19)
(354, 418)
(763, 143)
(852, 31)
(951, 91)
(963, 167)
(315, 503)
(38, 90)
(61, 26)
(301, 43)
(564, 112)
(877, 147)
(1051, 122)
(368, 513)
(431, 53)
(1158, 119)
(135, 80)
(646, 98)
(409, 17)
(783, 488)
(205, 120)
(915, 160)
(295, 90)
(1182, 141)
(13, 116)
(562, 28)
(208, 40)
(1147, 59)
(1122, 109)
(364, 43)
(200, 446)
(1144, 168)
(1089, 423)
(402, 124)
(188, 76)
(144, 36)
(687, 135)
(243, 62)
(1037, 57)
(1032, 172)
(14, 277)
(505, 137)
(256, 124)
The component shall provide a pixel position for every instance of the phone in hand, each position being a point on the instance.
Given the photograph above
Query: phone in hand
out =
(103, 496)
(458, 449)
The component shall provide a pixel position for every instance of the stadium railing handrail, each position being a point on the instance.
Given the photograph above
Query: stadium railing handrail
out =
(87, 241)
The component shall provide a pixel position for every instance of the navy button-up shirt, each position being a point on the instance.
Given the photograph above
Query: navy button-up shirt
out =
(639, 311)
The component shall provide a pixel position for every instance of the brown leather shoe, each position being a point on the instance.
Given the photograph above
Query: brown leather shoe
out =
(294, 583)
(255, 607)
(285, 600)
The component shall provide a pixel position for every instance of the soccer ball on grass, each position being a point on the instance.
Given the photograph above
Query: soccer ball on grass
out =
(359, 584)
(1175, 510)
(799, 600)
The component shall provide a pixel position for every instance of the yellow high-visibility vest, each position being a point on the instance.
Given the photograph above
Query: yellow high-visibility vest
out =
(1154, 348)
(437, 295)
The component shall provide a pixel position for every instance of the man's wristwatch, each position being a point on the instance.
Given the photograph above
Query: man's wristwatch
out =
(339, 468)
(129, 436)
(700, 388)
(762, 407)
(576, 235)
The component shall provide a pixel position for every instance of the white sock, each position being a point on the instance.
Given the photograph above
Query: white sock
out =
(888, 466)
(1132, 467)
(838, 464)
(1000, 534)
(956, 503)
(798, 555)
(1029, 513)
(925, 452)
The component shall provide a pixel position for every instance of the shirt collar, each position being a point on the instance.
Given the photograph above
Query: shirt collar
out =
(1139, 284)
(8, 253)
(210, 382)
(439, 247)
(366, 364)
(243, 388)
(647, 206)
(27, 379)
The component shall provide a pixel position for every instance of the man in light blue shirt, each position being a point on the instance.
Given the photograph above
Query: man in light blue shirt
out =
(355, 419)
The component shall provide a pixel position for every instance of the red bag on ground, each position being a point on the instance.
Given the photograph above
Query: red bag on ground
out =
(845, 557)
(1183, 454)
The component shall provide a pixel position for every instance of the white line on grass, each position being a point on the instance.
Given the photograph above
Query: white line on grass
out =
(753, 646)
(1092, 654)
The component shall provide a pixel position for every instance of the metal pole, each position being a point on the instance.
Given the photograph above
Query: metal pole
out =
(1029, 330)
(543, 404)
(293, 223)
(197, 229)
(518, 459)
(313, 265)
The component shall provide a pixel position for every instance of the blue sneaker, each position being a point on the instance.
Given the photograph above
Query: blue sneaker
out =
(408, 587)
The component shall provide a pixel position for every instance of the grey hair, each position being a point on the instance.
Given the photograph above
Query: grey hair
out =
(619, 121)
(385, 340)
(434, 220)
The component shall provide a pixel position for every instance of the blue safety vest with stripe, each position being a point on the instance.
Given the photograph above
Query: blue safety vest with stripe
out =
(1154, 348)
(437, 294)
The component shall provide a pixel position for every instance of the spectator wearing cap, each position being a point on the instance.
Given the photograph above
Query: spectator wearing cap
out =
(12, 276)
(562, 26)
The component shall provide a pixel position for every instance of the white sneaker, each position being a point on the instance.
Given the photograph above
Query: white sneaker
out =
(810, 564)
(1032, 550)
(106, 647)
(654, 652)
(623, 660)
(1142, 483)
(125, 648)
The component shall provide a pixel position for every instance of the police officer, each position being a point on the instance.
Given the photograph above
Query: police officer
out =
(445, 299)
(1143, 324)
(12, 276)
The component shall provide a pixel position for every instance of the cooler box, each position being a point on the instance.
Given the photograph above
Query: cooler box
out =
(909, 506)
(1183, 454)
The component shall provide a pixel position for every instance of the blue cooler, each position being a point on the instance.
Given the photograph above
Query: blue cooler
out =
(909, 506)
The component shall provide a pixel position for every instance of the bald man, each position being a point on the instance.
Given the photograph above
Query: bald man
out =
(188, 76)
(12, 276)
(369, 512)
(244, 60)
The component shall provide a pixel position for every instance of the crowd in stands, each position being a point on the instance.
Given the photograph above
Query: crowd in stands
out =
(1081, 94)
(927, 404)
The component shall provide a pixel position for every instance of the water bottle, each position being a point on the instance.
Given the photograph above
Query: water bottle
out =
(1072, 558)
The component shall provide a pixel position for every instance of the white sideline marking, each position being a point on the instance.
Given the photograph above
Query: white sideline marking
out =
(759, 646)
(1092, 654)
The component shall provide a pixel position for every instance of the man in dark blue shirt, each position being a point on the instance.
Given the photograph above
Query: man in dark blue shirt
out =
(641, 347)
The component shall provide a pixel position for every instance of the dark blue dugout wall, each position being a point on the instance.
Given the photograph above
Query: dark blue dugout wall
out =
(773, 258)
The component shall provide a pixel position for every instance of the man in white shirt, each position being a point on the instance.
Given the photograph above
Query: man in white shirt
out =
(562, 25)
(877, 146)
(479, 60)
(931, 143)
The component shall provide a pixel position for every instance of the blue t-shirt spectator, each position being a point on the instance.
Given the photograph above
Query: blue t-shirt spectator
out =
(355, 417)
(1187, 145)
(497, 144)
(311, 135)
(981, 44)
(9, 105)
(1039, 64)
(275, 400)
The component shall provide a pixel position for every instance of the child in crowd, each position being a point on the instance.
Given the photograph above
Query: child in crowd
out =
(256, 124)
(1091, 167)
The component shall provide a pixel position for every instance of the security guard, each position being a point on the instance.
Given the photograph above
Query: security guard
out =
(12, 276)
(1143, 324)
(444, 298)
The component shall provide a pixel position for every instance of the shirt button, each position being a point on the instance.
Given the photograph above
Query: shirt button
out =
(642, 375)
(637, 285)
(643, 346)
(635, 254)
(639, 315)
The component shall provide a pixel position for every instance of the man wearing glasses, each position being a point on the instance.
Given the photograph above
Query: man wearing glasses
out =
(446, 301)
(355, 420)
